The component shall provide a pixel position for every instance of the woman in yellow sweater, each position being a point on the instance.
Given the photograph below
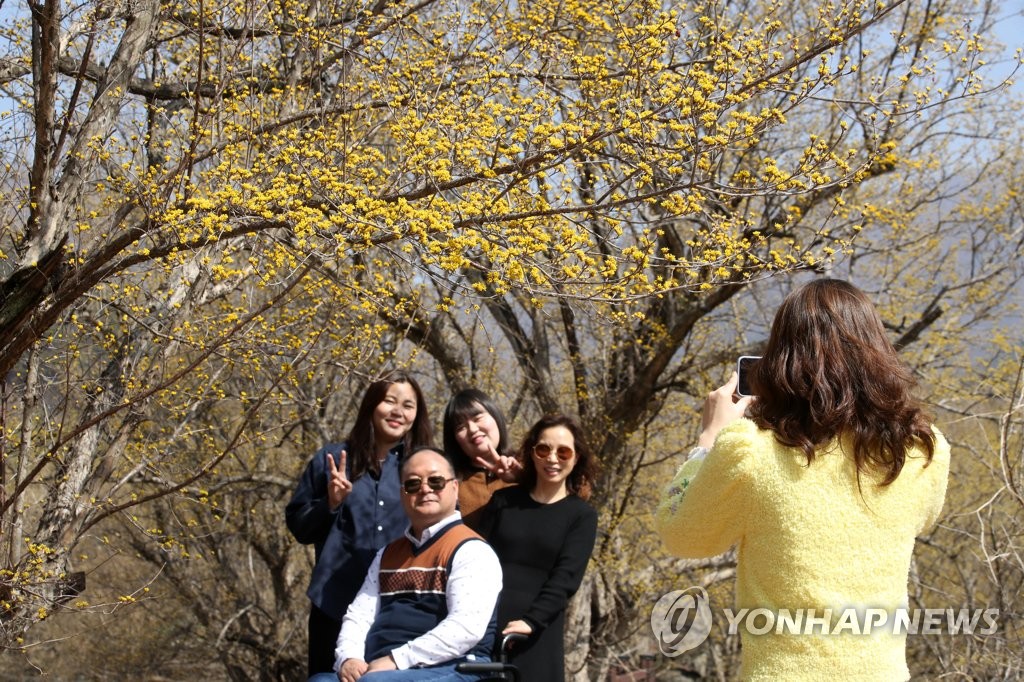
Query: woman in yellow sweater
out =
(822, 488)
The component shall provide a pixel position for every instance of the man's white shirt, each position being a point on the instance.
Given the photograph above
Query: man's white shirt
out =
(472, 592)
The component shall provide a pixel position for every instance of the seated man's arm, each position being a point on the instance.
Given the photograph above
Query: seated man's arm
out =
(472, 592)
(359, 617)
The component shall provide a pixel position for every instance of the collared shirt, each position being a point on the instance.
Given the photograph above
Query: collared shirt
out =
(346, 538)
(471, 592)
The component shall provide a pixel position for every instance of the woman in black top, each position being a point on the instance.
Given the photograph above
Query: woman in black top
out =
(543, 532)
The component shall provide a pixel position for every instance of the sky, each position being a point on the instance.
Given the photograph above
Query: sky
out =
(1010, 31)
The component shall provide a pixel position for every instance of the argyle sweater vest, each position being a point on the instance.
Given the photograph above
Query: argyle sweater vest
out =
(413, 582)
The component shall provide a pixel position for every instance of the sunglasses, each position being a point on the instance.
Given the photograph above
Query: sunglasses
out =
(543, 451)
(411, 486)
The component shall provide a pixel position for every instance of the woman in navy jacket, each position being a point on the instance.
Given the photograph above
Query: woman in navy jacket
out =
(347, 503)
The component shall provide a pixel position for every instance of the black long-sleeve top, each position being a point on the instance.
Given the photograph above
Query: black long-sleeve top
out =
(544, 550)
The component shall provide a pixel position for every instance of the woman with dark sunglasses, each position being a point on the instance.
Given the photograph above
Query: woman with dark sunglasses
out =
(476, 439)
(543, 532)
(347, 503)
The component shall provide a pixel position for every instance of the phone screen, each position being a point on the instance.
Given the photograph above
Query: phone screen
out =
(743, 366)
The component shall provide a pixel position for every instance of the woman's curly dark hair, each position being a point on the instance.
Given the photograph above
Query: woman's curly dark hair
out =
(829, 369)
(582, 477)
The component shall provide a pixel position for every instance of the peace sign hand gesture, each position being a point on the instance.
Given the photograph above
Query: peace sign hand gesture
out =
(505, 468)
(338, 485)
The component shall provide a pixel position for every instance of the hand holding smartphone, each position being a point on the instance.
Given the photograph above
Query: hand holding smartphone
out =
(743, 366)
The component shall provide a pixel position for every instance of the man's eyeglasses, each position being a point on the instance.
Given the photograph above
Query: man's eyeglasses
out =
(411, 486)
(543, 451)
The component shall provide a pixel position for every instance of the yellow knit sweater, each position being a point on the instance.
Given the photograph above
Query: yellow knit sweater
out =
(806, 539)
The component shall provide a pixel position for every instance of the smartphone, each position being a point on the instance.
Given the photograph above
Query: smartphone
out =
(743, 366)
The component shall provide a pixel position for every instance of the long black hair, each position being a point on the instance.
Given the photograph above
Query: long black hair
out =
(362, 439)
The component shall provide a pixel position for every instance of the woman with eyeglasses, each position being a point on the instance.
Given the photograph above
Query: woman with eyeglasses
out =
(543, 532)
(822, 481)
(347, 503)
(476, 439)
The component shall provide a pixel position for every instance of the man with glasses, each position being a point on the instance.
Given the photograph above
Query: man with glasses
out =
(428, 601)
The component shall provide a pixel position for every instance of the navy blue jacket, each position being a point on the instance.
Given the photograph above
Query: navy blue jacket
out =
(347, 539)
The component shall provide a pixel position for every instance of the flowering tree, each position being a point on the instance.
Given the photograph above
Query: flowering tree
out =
(222, 217)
